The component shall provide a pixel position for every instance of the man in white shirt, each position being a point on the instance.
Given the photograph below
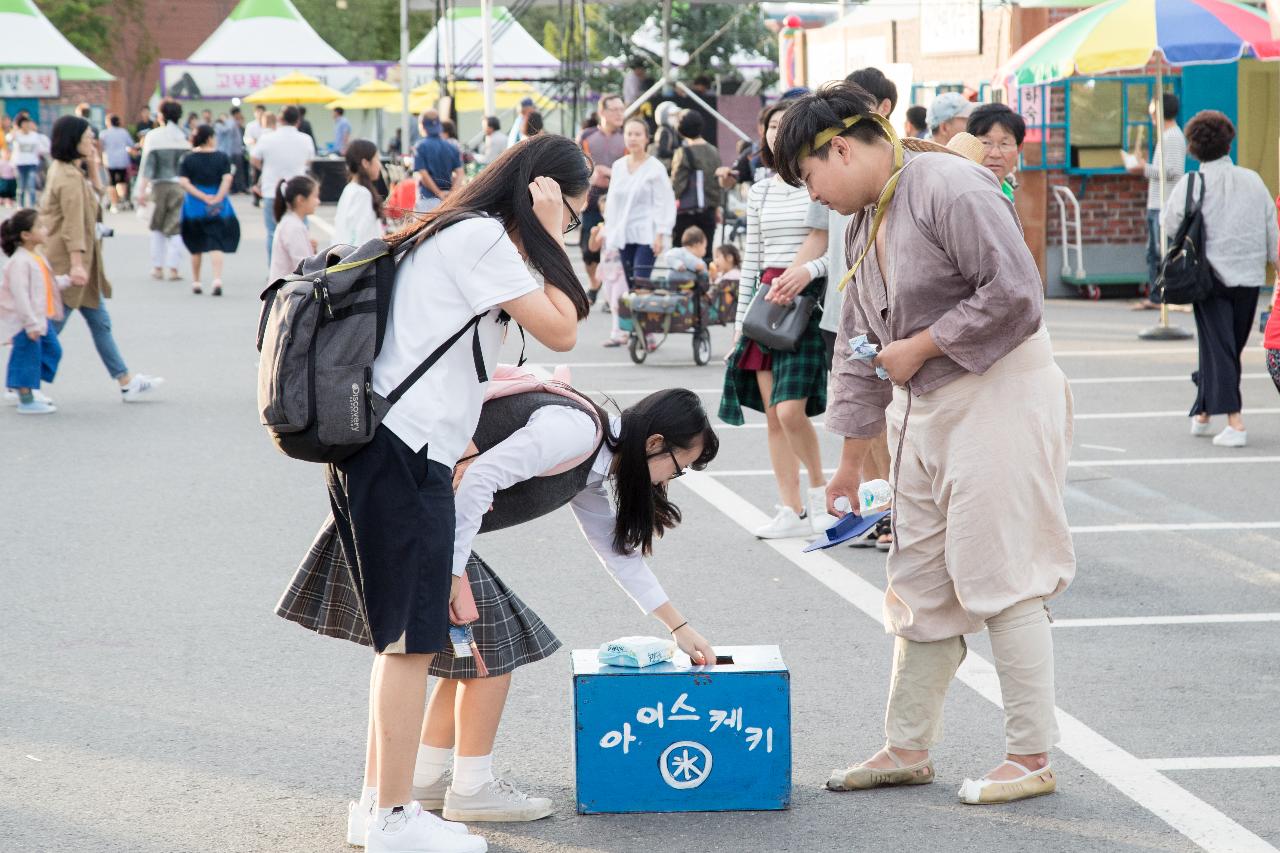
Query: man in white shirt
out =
(282, 155)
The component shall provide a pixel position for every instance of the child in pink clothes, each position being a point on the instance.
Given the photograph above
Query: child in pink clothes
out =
(296, 199)
(30, 297)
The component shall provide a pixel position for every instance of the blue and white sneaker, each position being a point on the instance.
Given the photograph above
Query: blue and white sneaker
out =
(36, 407)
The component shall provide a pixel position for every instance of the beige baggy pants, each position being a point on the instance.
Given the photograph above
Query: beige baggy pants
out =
(1022, 646)
(981, 540)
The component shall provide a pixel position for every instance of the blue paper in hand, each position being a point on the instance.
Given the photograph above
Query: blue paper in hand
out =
(850, 527)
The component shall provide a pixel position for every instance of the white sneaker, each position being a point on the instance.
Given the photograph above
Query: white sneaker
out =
(140, 384)
(1201, 428)
(432, 796)
(35, 407)
(1231, 438)
(11, 397)
(416, 831)
(497, 801)
(816, 508)
(784, 525)
(358, 823)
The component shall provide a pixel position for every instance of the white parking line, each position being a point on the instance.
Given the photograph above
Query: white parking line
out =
(1074, 463)
(1225, 762)
(1178, 528)
(1135, 621)
(1093, 380)
(1197, 820)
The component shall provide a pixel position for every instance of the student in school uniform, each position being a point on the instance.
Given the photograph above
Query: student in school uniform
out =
(536, 452)
(471, 269)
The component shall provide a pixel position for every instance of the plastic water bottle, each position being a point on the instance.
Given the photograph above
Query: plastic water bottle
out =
(874, 496)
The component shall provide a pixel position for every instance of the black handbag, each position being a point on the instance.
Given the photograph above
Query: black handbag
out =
(1185, 275)
(778, 327)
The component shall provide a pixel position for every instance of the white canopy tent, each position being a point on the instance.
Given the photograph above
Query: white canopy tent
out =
(268, 32)
(30, 41)
(456, 43)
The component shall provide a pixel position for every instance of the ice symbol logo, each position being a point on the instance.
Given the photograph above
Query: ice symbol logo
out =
(685, 764)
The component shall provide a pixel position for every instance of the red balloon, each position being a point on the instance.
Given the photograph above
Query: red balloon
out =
(793, 21)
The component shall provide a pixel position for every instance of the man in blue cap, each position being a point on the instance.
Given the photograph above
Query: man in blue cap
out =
(437, 163)
(947, 116)
(517, 127)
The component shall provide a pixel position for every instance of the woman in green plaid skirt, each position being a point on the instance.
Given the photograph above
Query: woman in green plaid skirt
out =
(789, 387)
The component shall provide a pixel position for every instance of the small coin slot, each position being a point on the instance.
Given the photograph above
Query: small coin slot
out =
(722, 660)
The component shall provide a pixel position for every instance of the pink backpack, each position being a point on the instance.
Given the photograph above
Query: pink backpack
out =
(509, 379)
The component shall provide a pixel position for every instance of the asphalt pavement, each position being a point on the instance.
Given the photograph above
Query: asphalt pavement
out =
(151, 702)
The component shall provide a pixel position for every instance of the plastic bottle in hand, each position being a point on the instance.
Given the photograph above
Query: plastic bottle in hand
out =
(874, 496)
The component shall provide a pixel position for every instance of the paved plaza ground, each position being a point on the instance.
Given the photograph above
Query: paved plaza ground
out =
(151, 702)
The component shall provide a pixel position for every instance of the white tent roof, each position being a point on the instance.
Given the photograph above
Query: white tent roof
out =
(517, 55)
(267, 32)
(31, 41)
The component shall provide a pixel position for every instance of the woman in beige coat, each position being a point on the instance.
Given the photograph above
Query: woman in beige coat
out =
(71, 211)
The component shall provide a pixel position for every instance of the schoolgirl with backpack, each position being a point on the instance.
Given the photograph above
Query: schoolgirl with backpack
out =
(539, 446)
(364, 368)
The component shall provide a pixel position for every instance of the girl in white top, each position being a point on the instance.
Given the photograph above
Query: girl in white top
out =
(359, 215)
(296, 199)
(652, 443)
(462, 277)
(642, 206)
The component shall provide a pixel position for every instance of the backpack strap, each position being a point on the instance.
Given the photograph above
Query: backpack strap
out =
(421, 369)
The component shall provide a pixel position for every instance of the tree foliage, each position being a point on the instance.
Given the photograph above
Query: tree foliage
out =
(365, 29)
(87, 24)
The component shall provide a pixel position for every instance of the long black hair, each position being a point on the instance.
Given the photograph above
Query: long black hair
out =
(201, 135)
(644, 510)
(358, 151)
(502, 190)
(299, 186)
(11, 229)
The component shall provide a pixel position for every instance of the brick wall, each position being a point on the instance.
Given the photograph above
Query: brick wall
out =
(972, 69)
(166, 29)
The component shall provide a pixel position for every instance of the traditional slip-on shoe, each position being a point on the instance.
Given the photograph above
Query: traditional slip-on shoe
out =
(1035, 783)
(862, 778)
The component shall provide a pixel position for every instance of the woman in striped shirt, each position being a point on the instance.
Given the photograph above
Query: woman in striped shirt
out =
(789, 387)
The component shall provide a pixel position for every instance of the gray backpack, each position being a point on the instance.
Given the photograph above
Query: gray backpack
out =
(320, 331)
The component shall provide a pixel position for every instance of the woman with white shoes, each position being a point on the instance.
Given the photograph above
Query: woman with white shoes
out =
(535, 451)
(789, 387)
(1240, 237)
(979, 421)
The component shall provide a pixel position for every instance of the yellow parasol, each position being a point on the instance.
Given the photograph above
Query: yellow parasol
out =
(469, 97)
(295, 88)
(374, 95)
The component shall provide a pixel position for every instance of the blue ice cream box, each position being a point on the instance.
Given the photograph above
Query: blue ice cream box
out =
(674, 737)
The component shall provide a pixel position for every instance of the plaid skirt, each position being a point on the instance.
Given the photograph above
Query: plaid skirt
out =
(322, 598)
(799, 375)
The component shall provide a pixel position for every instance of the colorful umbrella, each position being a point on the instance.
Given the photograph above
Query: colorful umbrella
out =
(1118, 35)
(295, 88)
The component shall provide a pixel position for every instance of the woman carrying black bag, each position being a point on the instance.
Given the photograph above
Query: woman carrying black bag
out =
(787, 383)
(1240, 237)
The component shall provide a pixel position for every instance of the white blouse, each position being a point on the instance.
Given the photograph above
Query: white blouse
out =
(554, 435)
(355, 223)
(640, 205)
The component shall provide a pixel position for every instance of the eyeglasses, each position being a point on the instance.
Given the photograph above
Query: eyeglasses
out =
(679, 469)
(575, 222)
(1008, 146)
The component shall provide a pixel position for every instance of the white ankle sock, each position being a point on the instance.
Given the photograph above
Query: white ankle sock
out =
(430, 764)
(471, 773)
(368, 797)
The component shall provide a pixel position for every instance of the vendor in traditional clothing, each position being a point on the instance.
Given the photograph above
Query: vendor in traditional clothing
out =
(979, 420)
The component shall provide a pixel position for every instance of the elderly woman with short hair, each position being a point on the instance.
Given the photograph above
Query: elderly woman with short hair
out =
(1240, 234)
(1001, 132)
